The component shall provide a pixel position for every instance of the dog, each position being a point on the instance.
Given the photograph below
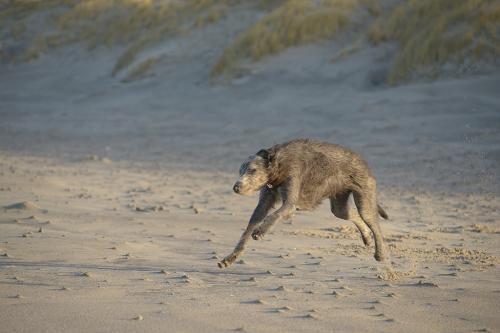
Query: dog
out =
(301, 174)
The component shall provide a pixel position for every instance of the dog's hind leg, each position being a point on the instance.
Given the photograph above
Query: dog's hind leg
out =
(339, 205)
(366, 202)
(267, 200)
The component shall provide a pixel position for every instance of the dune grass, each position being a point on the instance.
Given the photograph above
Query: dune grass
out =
(290, 23)
(347, 51)
(137, 24)
(134, 24)
(428, 33)
(142, 69)
(431, 33)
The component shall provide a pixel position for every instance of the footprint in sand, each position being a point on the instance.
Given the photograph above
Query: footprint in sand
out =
(310, 316)
(24, 205)
(186, 278)
(282, 309)
(376, 302)
(31, 220)
(344, 288)
(255, 301)
(425, 284)
(282, 288)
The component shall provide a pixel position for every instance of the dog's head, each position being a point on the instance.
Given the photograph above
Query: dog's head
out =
(254, 173)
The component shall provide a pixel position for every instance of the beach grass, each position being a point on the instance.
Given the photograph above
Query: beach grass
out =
(428, 34)
(431, 33)
(290, 23)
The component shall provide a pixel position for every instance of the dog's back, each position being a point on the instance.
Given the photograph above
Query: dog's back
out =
(323, 169)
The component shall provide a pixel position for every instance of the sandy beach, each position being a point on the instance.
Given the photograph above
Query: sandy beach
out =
(116, 198)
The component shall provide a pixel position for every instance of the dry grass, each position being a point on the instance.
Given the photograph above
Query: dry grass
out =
(134, 24)
(431, 33)
(214, 15)
(290, 23)
(137, 24)
(141, 70)
(347, 51)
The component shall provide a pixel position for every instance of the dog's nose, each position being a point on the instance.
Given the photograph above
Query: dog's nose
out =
(237, 187)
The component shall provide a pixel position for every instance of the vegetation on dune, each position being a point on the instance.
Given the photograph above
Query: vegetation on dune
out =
(347, 51)
(136, 24)
(293, 22)
(141, 69)
(428, 33)
(431, 33)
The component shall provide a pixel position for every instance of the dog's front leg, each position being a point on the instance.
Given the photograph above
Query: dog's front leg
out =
(268, 198)
(282, 214)
(290, 193)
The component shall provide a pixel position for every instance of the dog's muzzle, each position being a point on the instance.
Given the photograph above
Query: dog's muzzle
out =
(237, 187)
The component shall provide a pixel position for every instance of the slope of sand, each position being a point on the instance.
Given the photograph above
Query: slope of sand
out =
(116, 202)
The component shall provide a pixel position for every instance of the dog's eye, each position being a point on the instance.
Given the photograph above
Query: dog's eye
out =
(251, 171)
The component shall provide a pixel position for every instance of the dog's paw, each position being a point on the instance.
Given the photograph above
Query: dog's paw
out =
(367, 241)
(380, 256)
(226, 262)
(257, 234)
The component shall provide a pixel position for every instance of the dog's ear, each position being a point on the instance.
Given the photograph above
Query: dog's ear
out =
(264, 154)
(267, 156)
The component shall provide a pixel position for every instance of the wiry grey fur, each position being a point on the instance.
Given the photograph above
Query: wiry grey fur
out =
(302, 173)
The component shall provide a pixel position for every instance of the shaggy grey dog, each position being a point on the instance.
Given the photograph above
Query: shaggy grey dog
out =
(302, 173)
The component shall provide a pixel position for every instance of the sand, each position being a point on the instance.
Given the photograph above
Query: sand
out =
(92, 261)
(116, 201)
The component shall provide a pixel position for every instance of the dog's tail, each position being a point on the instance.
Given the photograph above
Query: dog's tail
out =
(382, 212)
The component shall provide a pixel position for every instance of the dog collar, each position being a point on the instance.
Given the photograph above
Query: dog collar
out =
(269, 185)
